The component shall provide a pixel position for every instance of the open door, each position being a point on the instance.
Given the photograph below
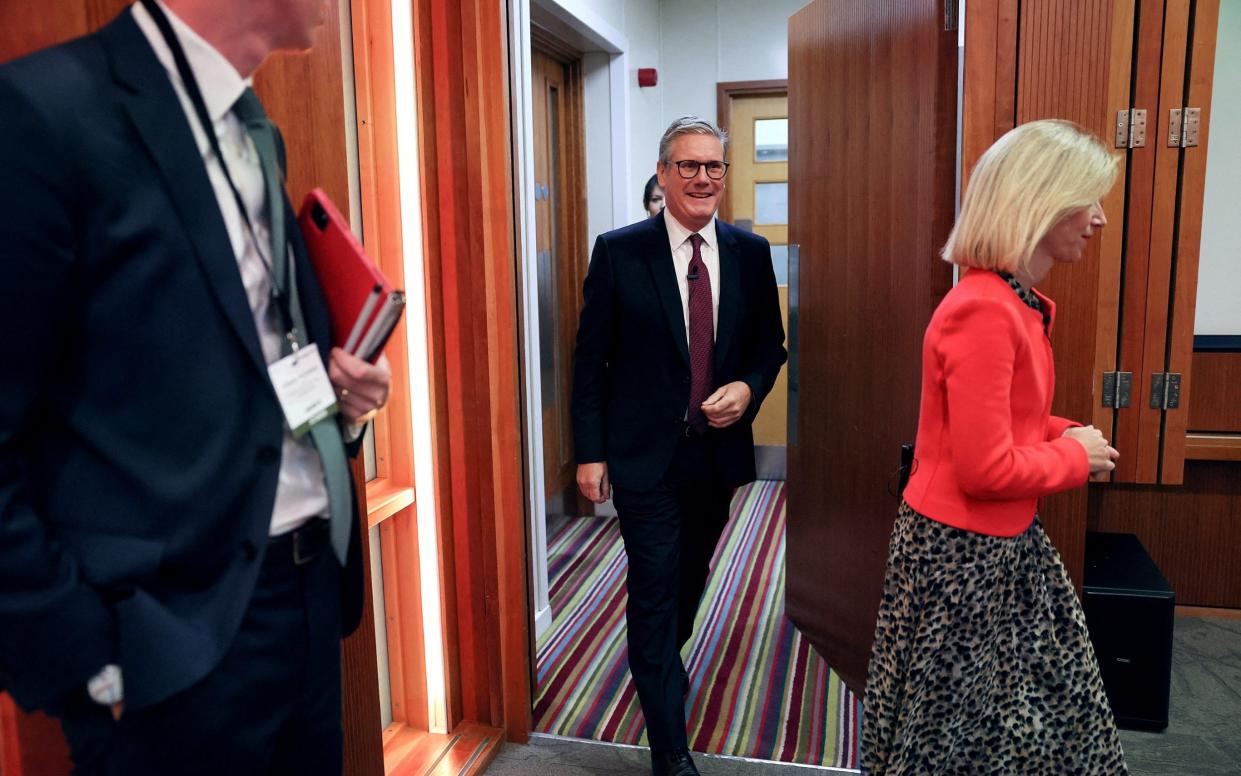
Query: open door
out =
(872, 127)
(560, 220)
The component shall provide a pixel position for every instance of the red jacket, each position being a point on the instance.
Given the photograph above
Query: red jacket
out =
(988, 447)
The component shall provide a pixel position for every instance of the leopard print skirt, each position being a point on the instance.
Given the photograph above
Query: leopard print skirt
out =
(982, 663)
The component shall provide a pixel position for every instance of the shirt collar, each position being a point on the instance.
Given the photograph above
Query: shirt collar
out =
(218, 80)
(678, 234)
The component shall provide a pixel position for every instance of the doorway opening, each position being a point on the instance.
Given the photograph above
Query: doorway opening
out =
(757, 688)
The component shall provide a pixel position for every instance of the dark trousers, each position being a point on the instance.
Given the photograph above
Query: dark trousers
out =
(670, 533)
(272, 705)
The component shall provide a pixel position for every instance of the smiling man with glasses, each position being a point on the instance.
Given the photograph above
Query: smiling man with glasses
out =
(680, 339)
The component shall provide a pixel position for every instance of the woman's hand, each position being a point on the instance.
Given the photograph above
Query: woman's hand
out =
(1101, 455)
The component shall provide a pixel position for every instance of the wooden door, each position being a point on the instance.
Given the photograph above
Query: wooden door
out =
(1199, 24)
(872, 144)
(1172, 56)
(757, 194)
(560, 246)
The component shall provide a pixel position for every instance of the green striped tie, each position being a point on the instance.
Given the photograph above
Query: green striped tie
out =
(325, 433)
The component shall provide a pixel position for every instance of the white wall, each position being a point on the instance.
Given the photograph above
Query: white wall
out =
(699, 44)
(1219, 281)
(646, 120)
(597, 99)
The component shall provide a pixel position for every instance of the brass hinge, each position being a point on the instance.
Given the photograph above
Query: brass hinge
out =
(1165, 391)
(1117, 387)
(1183, 127)
(1131, 128)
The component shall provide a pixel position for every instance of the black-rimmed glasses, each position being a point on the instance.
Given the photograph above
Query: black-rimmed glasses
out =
(688, 168)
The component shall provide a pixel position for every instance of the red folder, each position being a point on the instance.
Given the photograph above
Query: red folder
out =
(363, 306)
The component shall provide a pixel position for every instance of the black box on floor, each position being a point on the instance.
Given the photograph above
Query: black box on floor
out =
(1129, 609)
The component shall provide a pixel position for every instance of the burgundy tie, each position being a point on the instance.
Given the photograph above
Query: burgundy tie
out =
(701, 335)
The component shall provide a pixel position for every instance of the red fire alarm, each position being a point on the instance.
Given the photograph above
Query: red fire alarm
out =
(647, 76)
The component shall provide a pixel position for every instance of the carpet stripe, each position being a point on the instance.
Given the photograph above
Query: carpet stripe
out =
(757, 689)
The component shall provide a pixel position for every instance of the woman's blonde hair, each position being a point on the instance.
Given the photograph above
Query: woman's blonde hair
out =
(1021, 187)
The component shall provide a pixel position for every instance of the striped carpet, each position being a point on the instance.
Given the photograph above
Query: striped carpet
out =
(757, 688)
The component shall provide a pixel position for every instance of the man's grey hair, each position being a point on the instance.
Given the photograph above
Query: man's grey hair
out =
(689, 125)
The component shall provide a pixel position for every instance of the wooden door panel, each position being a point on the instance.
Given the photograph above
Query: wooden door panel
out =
(559, 223)
(1145, 278)
(871, 203)
(1203, 29)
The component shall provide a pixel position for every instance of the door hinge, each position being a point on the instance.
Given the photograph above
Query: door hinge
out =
(1165, 390)
(1117, 388)
(1131, 128)
(1183, 127)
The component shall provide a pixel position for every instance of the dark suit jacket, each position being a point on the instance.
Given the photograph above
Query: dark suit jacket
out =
(631, 373)
(139, 433)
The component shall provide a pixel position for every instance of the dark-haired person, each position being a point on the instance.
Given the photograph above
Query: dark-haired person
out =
(653, 197)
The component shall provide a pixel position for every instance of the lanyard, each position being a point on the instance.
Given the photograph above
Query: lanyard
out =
(200, 107)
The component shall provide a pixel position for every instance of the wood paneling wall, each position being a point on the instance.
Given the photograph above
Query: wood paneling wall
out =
(871, 203)
(1215, 404)
(471, 268)
(1152, 173)
(304, 95)
(1193, 532)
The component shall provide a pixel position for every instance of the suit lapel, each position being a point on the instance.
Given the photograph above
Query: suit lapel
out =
(730, 290)
(663, 274)
(156, 112)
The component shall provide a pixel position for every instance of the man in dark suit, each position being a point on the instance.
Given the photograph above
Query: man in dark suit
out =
(680, 339)
(176, 566)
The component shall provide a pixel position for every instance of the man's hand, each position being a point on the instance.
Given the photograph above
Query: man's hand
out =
(727, 404)
(361, 387)
(592, 481)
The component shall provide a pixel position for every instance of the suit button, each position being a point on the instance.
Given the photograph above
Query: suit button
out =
(268, 454)
(248, 551)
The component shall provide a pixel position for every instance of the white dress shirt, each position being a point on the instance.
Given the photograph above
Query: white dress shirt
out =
(301, 492)
(682, 253)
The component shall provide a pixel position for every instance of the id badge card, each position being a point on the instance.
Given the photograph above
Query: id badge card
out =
(303, 388)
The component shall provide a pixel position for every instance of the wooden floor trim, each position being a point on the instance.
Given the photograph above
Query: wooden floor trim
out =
(466, 751)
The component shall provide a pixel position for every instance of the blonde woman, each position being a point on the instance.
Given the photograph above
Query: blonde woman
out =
(982, 663)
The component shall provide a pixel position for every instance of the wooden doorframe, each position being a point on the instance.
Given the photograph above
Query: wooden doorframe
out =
(725, 91)
(469, 241)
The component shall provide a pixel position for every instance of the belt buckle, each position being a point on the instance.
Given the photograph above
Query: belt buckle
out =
(301, 558)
